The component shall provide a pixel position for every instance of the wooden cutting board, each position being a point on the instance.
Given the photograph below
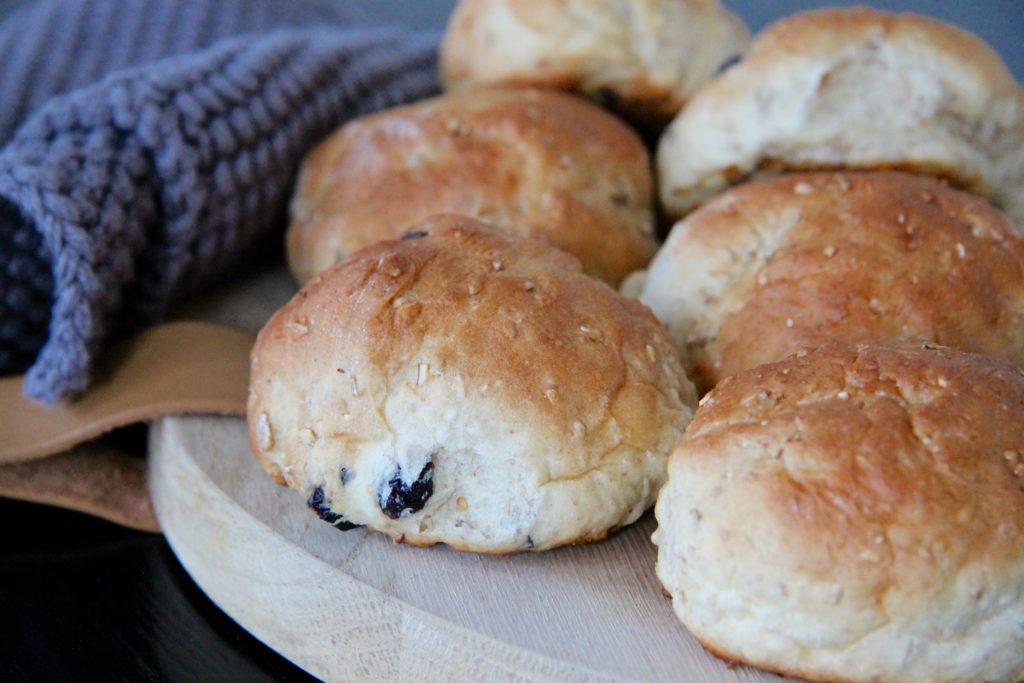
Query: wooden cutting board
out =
(355, 606)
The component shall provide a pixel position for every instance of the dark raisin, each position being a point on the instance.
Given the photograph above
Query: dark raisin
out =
(344, 525)
(727, 64)
(414, 234)
(323, 510)
(605, 97)
(398, 498)
(347, 475)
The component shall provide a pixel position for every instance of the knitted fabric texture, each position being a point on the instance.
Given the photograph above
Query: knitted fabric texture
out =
(119, 198)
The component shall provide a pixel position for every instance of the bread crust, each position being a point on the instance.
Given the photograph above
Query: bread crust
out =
(541, 164)
(852, 88)
(544, 402)
(642, 58)
(854, 513)
(771, 267)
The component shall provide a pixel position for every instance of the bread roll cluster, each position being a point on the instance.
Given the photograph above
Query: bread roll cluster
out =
(506, 146)
(464, 380)
(848, 501)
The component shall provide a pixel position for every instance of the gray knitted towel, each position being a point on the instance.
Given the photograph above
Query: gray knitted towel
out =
(157, 140)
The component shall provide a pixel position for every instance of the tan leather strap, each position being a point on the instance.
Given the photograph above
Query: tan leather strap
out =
(185, 367)
(90, 478)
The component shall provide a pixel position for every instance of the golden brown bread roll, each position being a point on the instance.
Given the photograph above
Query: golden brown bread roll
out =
(540, 164)
(853, 88)
(464, 387)
(643, 58)
(771, 267)
(854, 513)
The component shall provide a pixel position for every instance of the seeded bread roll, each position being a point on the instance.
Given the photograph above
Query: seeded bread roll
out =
(539, 164)
(853, 88)
(854, 513)
(464, 387)
(774, 266)
(643, 58)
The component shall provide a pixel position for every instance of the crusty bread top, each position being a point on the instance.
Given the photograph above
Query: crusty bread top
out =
(642, 58)
(871, 439)
(542, 164)
(774, 266)
(460, 303)
(854, 513)
(852, 88)
(821, 32)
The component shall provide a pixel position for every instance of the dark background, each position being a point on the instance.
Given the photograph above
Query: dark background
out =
(81, 599)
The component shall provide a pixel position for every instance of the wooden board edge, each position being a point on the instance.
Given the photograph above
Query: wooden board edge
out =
(326, 622)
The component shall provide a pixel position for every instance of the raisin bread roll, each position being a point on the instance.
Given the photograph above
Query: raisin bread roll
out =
(854, 513)
(538, 164)
(853, 88)
(463, 387)
(771, 267)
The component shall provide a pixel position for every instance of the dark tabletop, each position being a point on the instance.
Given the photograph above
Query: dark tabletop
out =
(81, 599)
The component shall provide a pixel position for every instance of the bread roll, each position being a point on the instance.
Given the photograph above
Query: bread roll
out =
(643, 58)
(774, 266)
(539, 164)
(460, 386)
(854, 513)
(853, 88)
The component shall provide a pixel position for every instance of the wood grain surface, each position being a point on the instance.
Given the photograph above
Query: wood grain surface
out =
(356, 606)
